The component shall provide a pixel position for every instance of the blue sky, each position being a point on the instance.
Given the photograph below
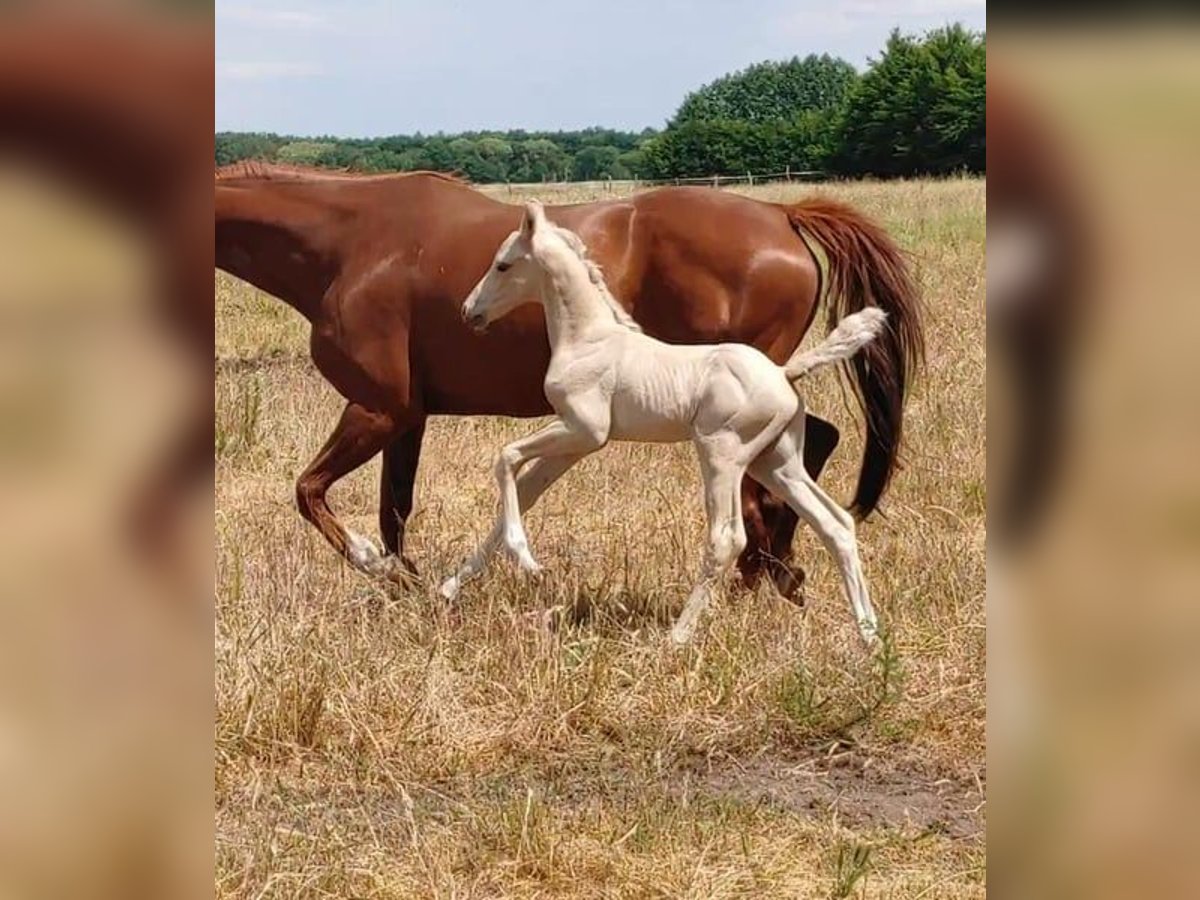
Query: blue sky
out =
(364, 68)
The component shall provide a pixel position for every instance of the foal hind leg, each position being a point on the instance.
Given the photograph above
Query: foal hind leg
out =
(726, 536)
(359, 435)
(772, 523)
(532, 482)
(833, 525)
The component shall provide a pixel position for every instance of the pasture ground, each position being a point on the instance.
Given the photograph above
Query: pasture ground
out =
(543, 740)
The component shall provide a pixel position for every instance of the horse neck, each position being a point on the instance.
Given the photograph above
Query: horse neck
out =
(573, 305)
(278, 240)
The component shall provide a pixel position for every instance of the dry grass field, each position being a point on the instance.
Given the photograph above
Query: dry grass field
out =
(544, 740)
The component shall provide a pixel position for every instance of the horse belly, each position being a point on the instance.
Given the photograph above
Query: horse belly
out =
(659, 416)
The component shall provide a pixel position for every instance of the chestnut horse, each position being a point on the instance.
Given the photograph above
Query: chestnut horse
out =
(380, 264)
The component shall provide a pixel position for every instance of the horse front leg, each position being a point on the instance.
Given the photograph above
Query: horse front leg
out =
(771, 523)
(358, 436)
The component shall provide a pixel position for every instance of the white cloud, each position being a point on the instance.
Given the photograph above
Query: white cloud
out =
(257, 70)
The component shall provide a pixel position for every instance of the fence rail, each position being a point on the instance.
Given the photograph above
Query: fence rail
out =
(611, 184)
(747, 178)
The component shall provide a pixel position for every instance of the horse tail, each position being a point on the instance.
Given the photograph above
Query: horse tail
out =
(865, 268)
(852, 334)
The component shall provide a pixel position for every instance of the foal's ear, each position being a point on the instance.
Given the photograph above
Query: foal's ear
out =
(535, 217)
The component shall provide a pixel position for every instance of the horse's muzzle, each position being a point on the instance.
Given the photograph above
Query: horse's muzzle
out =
(476, 321)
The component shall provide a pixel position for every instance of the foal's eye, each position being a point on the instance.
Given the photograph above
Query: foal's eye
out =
(503, 267)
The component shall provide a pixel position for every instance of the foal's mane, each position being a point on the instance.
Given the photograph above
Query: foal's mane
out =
(575, 243)
(262, 170)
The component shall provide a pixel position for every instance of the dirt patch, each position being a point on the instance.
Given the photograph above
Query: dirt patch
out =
(862, 792)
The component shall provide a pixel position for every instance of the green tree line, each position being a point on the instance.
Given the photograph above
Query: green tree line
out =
(592, 153)
(919, 109)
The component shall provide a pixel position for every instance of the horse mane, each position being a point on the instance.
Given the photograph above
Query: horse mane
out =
(575, 243)
(262, 170)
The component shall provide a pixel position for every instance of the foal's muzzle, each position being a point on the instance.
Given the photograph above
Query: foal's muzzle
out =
(477, 321)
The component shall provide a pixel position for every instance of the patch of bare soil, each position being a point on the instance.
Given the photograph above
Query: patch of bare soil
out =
(862, 792)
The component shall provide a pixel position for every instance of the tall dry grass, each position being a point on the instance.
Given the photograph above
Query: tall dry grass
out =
(542, 740)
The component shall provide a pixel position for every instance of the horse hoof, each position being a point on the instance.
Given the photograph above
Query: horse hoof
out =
(399, 572)
(790, 584)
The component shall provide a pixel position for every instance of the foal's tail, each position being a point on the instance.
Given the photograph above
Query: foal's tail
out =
(864, 268)
(852, 334)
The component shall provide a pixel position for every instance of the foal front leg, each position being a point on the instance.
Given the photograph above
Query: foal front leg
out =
(559, 447)
(558, 439)
(532, 482)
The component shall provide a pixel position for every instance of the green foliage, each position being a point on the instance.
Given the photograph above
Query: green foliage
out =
(772, 92)
(769, 117)
(596, 162)
(235, 146)
(851, 865)
(484, 157)
(920, 110)
(303, 152)
(731, 147)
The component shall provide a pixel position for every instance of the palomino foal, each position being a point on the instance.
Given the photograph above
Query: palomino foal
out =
(609, 381)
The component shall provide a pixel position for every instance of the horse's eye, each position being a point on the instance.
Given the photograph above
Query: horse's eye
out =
(503, 267)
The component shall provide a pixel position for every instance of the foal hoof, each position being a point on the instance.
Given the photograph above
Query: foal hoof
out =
(681, 636)
(528, 566)
(450, 588)
(870, 635)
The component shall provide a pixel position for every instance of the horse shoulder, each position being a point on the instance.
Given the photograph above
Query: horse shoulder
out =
(572, 374)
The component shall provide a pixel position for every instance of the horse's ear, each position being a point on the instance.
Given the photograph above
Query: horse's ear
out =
(535, 217)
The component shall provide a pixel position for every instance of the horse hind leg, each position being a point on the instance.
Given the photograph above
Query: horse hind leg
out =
(833, 525)
(397, 480)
